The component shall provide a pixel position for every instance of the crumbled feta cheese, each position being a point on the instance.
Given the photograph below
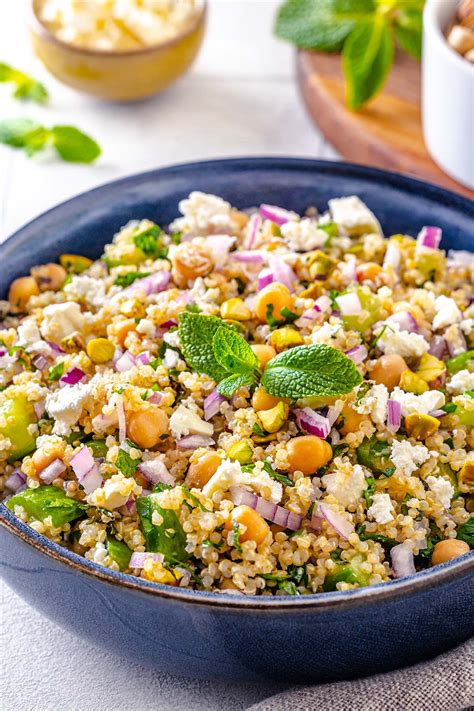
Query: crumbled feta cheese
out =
(171, 358)
(65, 405)
(115, 492)
(346, 485)
(381, 508)
(230, 474)
(30, 339)
(86, 288)
(467, 326)
(408, 345)
(184, 422)
(353, 215)
(447, 313)
(374, 403)
(303, 235)
(407, 457)
(172, 338)
(461, 382)
(219, 246)
(453, 335)
(201, 213)
(442, 489)
(61, 320)
(146, 327)
(424, 403)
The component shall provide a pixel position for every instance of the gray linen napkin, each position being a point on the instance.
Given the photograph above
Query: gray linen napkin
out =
(445, 683)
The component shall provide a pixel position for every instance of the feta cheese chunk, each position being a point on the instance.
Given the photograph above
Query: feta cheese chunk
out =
(304, 235)
(65, 405)
(115, 492)
(404, 343)
(61, 320)
(230, 474)
(461, 382)
(346, 485)
(202, 213)
(354, 216)
(374, 403)
(30, 339)
(442, 489)
(407, 457)
(424, 403)
(381, 509)
(184, 422)
(87, 289)
(447, 313)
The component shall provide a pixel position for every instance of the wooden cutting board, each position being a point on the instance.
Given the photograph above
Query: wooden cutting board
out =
(387, 132)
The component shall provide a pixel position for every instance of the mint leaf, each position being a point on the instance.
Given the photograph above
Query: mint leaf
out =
(196, 333)
(366, 59)
(233, 352)
(409, 30)
(25, 86)
(125, 463)
(148, 242)
(23, 133)
(232, 383)
(304, 371)
(168, 537)
(127, 279)
(320, 24)
(73, 145)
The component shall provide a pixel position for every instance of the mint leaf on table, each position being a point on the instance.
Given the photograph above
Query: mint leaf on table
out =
(71, 144)
(233, 352)
(366, 59)
(305, 371)
(320, 24)
(408, 30)
(25, 86)
(196, 333)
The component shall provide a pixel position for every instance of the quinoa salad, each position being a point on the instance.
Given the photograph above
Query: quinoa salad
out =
(246, 402)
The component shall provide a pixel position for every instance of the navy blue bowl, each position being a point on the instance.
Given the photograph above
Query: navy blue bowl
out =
(337, 635)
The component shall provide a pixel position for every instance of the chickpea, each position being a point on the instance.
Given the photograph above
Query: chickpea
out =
(308, 453)
(351, 419)
(201, 471)
(21, 290)
(262, 400)
(44, 456)
(447, 550)
(122, 329)
(49, 277)
(190, 262)
(256, 528)
(276, 295)
(264, 353)
(388, 370)
(146, 427)
(368, 272)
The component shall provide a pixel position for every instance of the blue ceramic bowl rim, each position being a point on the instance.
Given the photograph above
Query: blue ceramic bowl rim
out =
(339, 599)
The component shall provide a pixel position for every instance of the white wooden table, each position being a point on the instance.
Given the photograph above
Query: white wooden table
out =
(239, 99)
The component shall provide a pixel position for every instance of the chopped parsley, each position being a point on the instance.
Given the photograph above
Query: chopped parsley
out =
(267, 467)
(148, 241)
(124, 280)
(235, 536)
(56, 372)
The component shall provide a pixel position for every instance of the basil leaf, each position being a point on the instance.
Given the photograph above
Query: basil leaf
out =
(232, 383)
(168, 538)
(304, 371)
(73, 145)
(233, 352)
(320, 24)
(47, 501)
(366, 59)
(196, 333)
(25, 86)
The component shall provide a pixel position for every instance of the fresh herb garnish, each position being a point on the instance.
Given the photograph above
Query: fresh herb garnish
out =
(71, 144)
(168, 537)
(26, 87)
(56, 372)
(466, 532)
(369, 491)
(387, 543)
(125, 463)
(148, 241)
(127, 279)
(47, 501)
(256, 429)
(267, 467)
(235, 536)
(449, 407)
(288, 587)
(193, 499)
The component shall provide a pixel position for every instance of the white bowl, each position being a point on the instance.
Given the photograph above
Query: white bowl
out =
(447, 96)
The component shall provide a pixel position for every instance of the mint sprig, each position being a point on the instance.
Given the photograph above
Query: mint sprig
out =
(26, 88)
(213, 347)
(365, 31)
(71, 144)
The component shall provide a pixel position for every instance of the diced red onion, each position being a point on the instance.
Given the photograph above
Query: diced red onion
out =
(52, 471)
(248, 257)
(72, 377)
(437, 413)
(394, 418)
(212, 404)
(138, 559)
(335, 436)
(323, 303)
(253, 227)
(276, 214)
(316, 521)
(404, 320)
(125, 362)
(437, 347)
(194, 441)
(55, 347)
(349, 304)
(264, 279)
(171, 323)
(156, 398)
(39, 361)
(143, 358)
(392, 256)
(15, 480)
(402, 561)
(39, 409)
(332, 414)
(357, 354)
(92, 480)
(272, 512)
(122, 422)
(429, 237)
(82, 462)
(282, 272)
(131, 506)
(152, 284)
(308, 317)
(311, 421)
(156, 472)
(339, 523)
(457, 344)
